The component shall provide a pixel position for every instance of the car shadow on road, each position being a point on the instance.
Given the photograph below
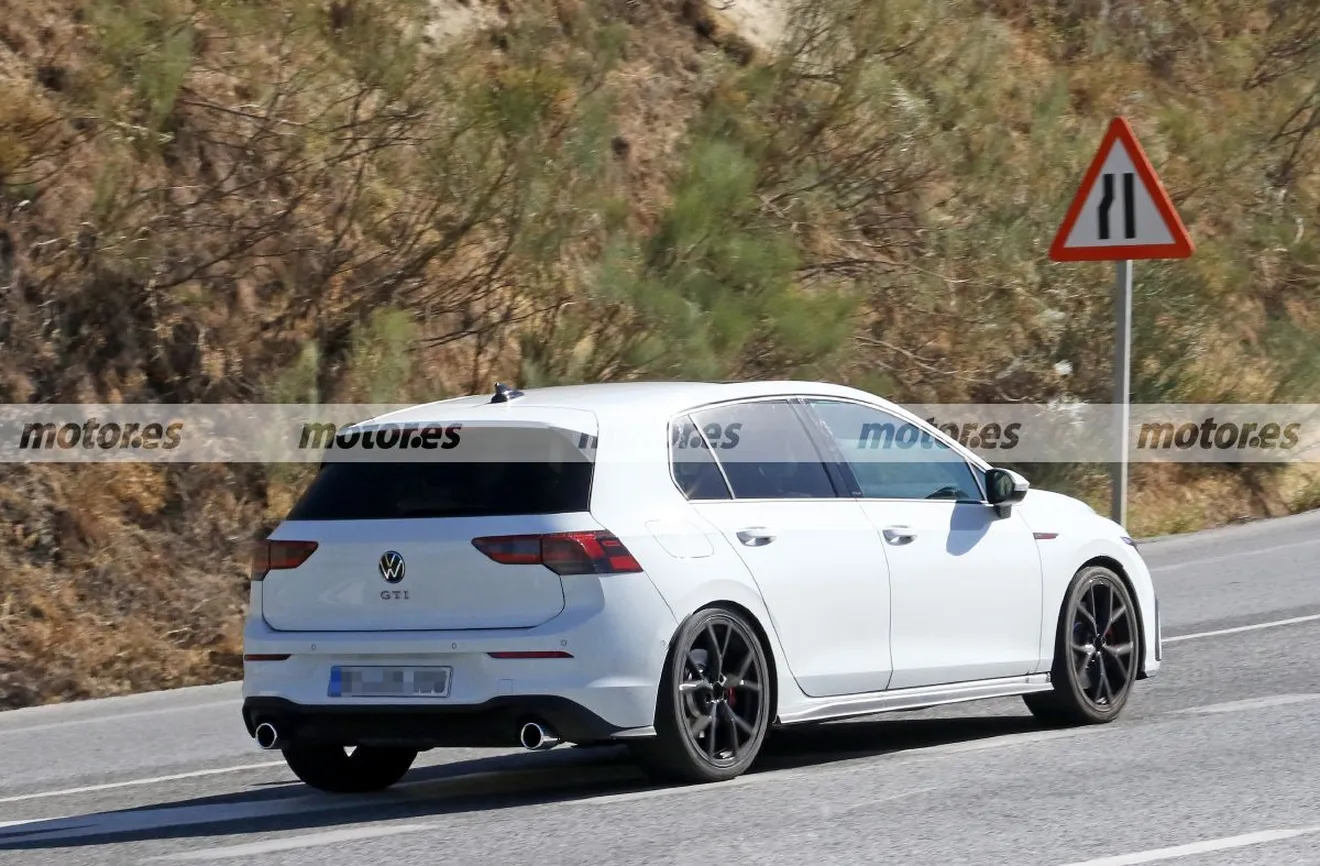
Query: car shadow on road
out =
(562, 777)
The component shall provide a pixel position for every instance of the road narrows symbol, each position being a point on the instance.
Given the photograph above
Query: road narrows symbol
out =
(1129, 204)
(1106, 202)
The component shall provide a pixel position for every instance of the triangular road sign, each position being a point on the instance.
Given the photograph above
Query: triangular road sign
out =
(1121, 210)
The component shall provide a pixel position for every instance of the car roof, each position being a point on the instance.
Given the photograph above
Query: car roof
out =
(624, 406)
(639, 400)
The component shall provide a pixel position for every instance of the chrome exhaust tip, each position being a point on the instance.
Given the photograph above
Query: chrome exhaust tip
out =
(267, 737)
(535, 738)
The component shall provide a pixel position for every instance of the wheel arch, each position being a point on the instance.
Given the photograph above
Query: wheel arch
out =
(1117, 568)
(762, 636)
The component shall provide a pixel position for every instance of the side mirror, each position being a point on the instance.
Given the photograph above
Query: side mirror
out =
(1003, 487)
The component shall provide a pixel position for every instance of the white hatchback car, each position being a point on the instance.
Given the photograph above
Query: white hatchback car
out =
(679, 567)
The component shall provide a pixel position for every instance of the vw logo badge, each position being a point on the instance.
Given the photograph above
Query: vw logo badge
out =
(391, 566)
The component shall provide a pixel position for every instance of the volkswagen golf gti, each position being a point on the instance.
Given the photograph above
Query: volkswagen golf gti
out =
(678, 567)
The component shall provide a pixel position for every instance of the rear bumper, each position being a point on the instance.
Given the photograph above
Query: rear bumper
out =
(493, 723)
(616, 634)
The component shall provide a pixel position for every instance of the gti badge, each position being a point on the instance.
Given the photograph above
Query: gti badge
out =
(391, 566)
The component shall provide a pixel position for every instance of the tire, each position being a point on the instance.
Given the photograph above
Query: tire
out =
(717, 669)
(1097, 650)
(338, 771)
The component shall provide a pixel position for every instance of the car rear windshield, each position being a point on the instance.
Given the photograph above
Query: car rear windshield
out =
(545, 474)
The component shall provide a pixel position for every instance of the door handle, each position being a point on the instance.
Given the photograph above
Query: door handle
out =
(755, 536)
(899, 534)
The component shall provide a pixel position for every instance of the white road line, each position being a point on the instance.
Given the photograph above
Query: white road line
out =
(738, 782)
(4, 824)
(374, 832)
(113, 717)
(1239, 629)
(651, 793)
(1204, 847)
(957, 747)
(1000, 742)
(236, 812)
(293, 843)
(151, 819)
(195, 774)
(477, 776)
(1248, 704)
(137, 820)
(1235, 555)
(466, 778)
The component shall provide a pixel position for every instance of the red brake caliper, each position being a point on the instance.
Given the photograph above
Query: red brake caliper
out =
(728, 693)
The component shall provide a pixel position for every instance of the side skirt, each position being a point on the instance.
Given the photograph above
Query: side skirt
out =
(914, 698)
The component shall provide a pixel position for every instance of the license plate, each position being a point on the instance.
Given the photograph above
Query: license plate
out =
(378, 681)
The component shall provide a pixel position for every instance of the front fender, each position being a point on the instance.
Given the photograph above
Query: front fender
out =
(1081, 537)
(1062, 561)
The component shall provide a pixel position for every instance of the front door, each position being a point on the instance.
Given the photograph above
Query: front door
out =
(965, 584)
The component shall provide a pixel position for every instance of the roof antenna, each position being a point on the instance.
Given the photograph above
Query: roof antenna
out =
(503, 393)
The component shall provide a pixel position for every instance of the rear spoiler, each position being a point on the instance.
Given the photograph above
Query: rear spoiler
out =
(462, 435)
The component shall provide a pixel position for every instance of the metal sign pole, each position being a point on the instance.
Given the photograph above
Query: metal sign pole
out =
(1088, 234)
(1122, 387)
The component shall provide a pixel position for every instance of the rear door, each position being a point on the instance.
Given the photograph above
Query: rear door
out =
(394, 531)
(816, 559)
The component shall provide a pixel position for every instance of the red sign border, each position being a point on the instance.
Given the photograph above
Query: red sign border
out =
(1181, 247)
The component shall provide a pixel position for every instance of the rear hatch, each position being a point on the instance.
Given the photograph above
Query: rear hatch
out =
(394, 530)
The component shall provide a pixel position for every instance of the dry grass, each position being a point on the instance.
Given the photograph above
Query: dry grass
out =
(102, 592)
(1172, 499)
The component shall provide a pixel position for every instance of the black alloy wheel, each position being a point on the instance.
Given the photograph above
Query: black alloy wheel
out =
(714, 704)
(1096, 654)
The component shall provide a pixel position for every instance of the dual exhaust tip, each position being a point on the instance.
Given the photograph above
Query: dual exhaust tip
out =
(536, 738)
(533, 736)
(267, 737)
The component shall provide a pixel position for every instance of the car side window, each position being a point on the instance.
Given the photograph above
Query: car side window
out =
(765, 451)
(694, 467)
(892, 458)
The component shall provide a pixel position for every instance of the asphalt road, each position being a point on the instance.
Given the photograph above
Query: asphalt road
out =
(1215, 762)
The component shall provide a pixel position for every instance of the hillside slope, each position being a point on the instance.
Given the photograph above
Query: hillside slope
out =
(385, 200)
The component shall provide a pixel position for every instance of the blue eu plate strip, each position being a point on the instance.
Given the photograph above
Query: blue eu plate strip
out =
(336, 683)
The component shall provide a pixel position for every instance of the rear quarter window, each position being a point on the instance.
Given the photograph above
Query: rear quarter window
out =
(765, 451)
(693, 466)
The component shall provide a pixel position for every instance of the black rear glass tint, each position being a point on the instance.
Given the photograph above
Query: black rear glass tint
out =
(546, 475)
